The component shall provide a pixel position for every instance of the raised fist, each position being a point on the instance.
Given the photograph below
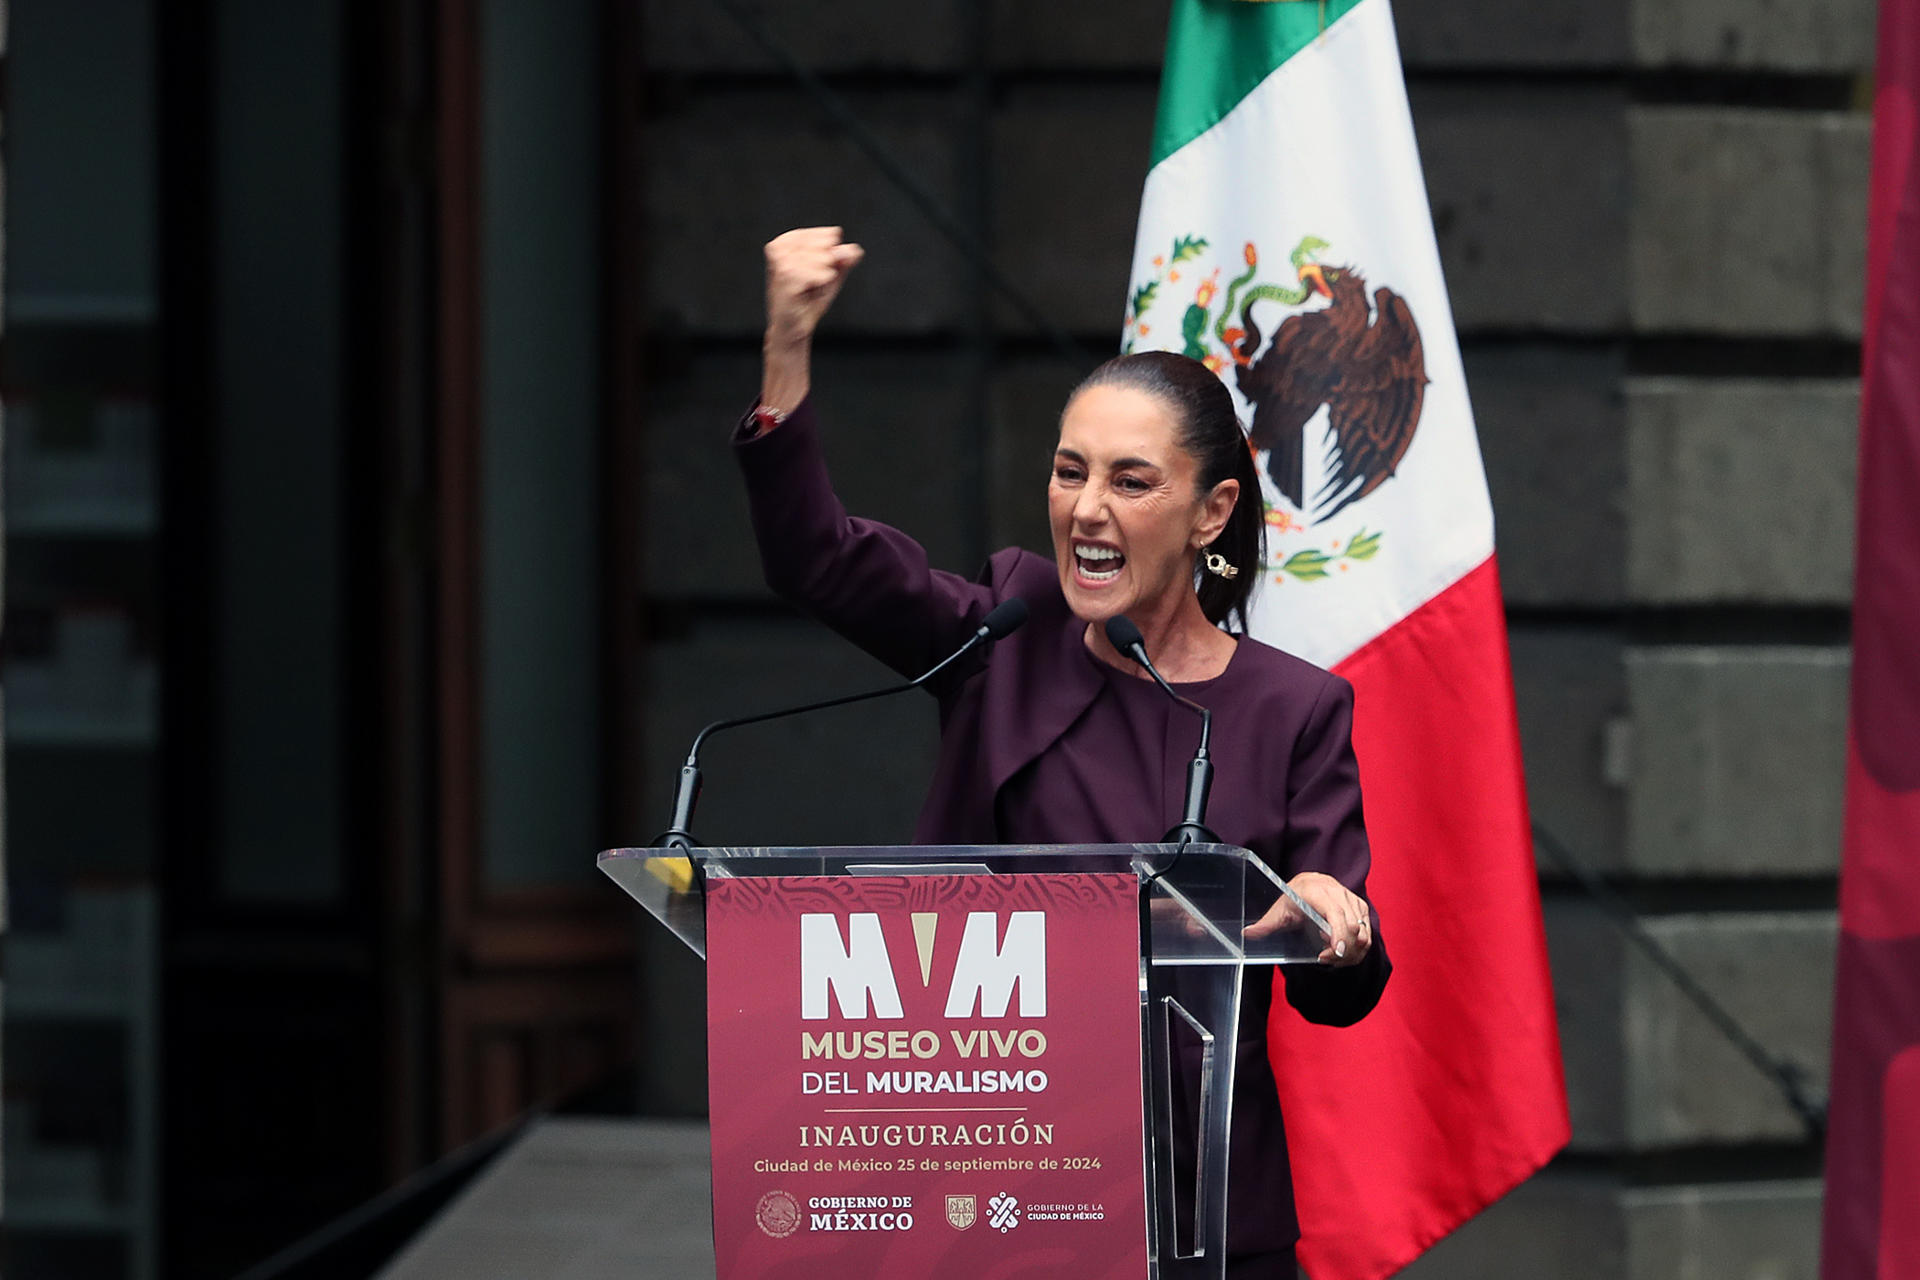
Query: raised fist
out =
(805, 269)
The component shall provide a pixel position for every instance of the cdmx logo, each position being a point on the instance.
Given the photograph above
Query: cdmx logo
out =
(962, 1211)
(1003, 1213)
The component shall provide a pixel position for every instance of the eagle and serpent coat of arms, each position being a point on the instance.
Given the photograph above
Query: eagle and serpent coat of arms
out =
(1357, 357)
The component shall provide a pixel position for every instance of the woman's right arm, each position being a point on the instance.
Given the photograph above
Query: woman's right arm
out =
(866, 580)
(805, 269)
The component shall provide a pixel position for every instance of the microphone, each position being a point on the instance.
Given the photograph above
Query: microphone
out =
(1001, 621)
(1124, 636)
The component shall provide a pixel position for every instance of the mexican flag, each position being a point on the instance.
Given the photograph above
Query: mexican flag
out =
(1285, 240)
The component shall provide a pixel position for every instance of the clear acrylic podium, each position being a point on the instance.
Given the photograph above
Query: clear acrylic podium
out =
(1202, 909)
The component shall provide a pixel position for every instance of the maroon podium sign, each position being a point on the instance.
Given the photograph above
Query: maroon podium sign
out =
(932, 1075)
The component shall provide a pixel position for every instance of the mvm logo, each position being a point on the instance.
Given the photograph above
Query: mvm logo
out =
(857, 969)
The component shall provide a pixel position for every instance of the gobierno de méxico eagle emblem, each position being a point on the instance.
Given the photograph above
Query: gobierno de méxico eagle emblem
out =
(1358, 357)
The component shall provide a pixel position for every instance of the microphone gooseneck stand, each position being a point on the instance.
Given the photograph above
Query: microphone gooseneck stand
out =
(1001, 621)
(1192, 828)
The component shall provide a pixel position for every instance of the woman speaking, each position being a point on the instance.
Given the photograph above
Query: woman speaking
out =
(1155, 509)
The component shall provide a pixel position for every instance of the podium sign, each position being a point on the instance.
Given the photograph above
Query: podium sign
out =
(959, 1028)
(929, 1075)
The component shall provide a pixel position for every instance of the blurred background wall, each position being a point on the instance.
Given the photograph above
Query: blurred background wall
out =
(374, 550)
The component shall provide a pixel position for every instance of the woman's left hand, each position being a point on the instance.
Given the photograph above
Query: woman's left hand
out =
(1349, 921)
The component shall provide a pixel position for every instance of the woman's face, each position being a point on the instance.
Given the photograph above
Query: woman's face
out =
(1125, 507)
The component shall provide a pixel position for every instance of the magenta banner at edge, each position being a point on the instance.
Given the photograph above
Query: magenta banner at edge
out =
(1872, 1169)
(930, 1076)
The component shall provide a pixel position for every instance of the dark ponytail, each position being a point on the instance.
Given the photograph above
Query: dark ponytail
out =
(1210, 433)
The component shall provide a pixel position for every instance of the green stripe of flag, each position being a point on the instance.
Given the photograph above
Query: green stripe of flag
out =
(1219, 50)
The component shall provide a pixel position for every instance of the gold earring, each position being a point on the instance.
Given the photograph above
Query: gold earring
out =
(1219, 565)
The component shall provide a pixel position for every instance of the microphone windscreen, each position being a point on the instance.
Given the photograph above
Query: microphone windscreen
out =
(1005, 618)
(1122, 634)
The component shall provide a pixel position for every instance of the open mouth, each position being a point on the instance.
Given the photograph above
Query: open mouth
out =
(1097, 564)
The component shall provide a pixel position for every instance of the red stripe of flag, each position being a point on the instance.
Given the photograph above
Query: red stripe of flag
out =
(1451, 1092)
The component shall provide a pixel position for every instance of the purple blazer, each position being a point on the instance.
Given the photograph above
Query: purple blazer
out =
(1286, 784)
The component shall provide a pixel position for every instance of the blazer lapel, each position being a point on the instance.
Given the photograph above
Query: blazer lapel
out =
(1037, 698)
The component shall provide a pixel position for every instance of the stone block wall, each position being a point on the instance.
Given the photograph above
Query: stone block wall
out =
(1672, 461)
(1652, 222)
